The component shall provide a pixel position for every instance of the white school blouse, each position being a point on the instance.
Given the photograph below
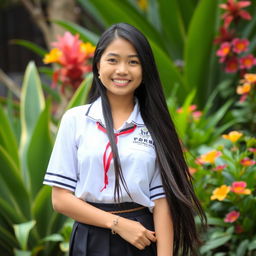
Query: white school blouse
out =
(76, 162)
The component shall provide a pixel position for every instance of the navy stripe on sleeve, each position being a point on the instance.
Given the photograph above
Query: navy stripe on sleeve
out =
(155, 187)
(60, 183)
(58, 175)
(159, 194)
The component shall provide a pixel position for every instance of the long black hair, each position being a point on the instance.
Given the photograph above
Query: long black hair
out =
(173, 168)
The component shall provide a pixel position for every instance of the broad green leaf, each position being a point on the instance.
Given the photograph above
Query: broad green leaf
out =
(6, 210)
(42, 210)
(39, 151)
(172, 27)
(31, 46)
(242, 248)
(32, 103)
(252, 245)
(7, 239)
(169, 74)
(9, 173)
(80, 96)
(187, 8)
(212, 244)
(22, 253)
(53, 238)
(22, 232)
(199, 47)
(115, 11)
(84, 33)
(7, 137)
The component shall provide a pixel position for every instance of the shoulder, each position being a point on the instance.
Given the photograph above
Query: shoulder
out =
(76, 112)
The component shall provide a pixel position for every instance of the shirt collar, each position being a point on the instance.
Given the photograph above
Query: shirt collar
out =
(95, 113)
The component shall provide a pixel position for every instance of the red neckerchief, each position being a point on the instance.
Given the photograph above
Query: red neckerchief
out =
(107, 160)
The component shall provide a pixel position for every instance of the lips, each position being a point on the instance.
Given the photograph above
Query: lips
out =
(121, 82)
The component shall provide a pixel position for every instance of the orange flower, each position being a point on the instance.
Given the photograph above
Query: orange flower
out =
(209, 157)
(87, 48)
(232, 217)
(250, 78)
(232, 136)
(243, 89)
(220, 193)
(239, 187)
(247, 162)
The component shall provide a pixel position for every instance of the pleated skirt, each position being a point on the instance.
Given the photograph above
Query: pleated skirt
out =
(87, 240)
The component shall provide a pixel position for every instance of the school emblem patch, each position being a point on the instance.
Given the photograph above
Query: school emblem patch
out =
(143, 138)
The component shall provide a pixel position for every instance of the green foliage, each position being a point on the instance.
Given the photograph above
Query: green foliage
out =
(235, 164)
(26, 214)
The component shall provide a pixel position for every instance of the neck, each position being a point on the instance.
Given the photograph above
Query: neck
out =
(121, 104)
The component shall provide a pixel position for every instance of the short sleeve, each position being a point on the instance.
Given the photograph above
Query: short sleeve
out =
(156, 186)
(62, 167)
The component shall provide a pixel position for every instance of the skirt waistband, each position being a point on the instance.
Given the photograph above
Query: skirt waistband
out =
(124, 209)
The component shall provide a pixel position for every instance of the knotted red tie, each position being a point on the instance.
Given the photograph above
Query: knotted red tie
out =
(107, 160)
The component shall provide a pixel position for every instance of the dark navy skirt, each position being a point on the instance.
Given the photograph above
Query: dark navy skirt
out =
(87, 240)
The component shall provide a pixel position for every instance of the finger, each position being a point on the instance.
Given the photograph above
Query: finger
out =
(146, 241)
(151, 236)
(140, 246)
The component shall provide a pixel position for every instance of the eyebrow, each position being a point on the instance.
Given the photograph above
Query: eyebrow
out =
(117, 55)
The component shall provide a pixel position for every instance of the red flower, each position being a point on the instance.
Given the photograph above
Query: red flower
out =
(232, 65)
(240, 45)
(247, 62)
(239, 229)
(232, 217)
(253, 150)
(224, 36)
(239, 187)
(220, 167)
(234, 11)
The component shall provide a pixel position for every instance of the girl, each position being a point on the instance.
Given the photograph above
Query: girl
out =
(117, 166)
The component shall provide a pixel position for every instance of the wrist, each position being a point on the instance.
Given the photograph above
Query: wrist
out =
(115, 224)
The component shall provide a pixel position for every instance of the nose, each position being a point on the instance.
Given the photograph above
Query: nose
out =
(122, 69)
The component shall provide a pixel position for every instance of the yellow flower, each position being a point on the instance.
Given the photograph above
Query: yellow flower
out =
(243, 89)
(220, 193)
(143, 4)
(53, 56)
(251, 78)
(209, 157)
(87, 48)
(232, 136)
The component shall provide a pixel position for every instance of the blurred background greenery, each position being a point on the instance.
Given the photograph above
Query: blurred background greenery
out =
(204, 50)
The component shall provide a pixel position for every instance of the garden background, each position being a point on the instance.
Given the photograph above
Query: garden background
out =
(205, 52)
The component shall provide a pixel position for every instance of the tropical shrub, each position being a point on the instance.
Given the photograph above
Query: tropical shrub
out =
(225, 180)
(26, 215)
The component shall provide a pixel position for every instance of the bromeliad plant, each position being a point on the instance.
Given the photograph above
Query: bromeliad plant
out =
(74, 59)
(225, 181)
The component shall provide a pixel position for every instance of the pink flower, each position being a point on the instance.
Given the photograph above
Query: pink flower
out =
(232, 65)
(240, 45)
(197, 114)
(224, 49)
(253, 150)
(239, 187)
(225, 35)
(220, 167)
(232, 217)
(247, 162)
(247, 62)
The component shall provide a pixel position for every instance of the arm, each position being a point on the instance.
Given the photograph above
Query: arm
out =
(163, 227)
(65, 202)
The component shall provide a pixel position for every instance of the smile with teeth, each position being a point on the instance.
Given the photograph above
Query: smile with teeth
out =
(120, 82)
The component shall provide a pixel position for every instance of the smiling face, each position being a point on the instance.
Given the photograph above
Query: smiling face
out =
(120, 69)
